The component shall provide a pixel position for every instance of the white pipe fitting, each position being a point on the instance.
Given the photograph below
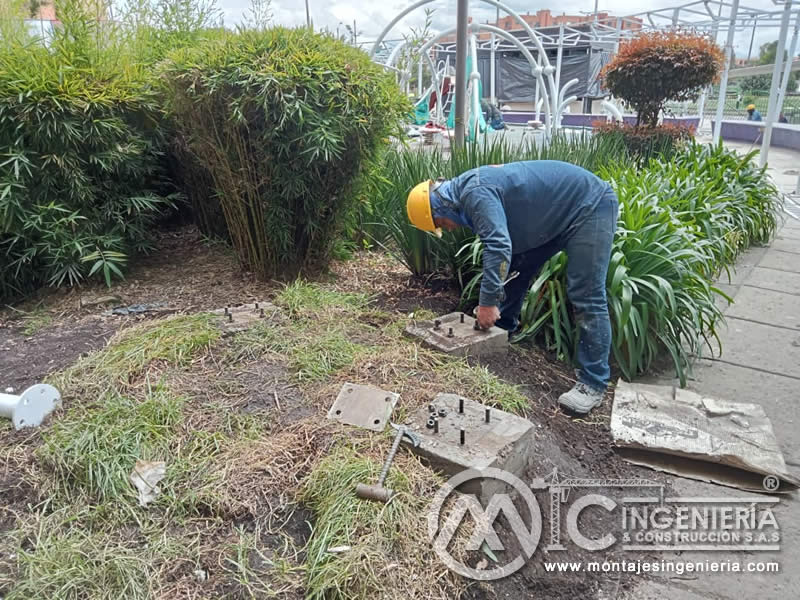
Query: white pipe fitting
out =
(30, 409)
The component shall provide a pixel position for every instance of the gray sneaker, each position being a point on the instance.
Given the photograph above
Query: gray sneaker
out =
(581, 398)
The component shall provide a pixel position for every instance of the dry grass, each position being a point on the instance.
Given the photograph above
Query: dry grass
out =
(361, 548)
(240, 423)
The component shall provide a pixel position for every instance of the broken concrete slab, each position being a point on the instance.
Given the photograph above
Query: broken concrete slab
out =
(244, 316)
(363, 406)
(504, 442)
(700, 437)
(455, 333)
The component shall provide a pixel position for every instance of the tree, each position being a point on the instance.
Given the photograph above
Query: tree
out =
(655, 68)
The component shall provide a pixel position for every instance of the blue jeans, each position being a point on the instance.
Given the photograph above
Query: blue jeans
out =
(588, 249)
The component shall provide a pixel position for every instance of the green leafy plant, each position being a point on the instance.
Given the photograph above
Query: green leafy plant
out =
(644, 143)
(284, 122)
(682, 222)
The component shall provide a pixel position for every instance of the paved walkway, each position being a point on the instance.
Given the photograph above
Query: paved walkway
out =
(760, 363)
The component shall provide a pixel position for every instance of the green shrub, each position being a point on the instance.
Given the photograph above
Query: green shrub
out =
(78, 157)
(284, 122)
(644, 143)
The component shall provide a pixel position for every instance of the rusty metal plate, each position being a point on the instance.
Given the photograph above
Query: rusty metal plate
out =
(363, 406)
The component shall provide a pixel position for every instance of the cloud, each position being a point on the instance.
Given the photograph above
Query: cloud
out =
(372, 17)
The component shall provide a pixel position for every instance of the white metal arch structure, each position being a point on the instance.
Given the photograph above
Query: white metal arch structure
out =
(546, 69)
(536, 70)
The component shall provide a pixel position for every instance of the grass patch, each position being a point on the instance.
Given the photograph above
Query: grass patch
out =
(35, 321)
(314, 350)
(301, 298)
(174, 341)
(54, 563)
(479, 384)
(318, 357)
(93, 450)
(261, 572)
(386, 543)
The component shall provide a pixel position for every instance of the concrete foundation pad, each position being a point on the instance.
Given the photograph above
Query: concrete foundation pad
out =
(505, 442)
(244, 316)
(455, 333)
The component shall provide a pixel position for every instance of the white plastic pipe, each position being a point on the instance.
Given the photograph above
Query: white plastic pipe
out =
(29, 409)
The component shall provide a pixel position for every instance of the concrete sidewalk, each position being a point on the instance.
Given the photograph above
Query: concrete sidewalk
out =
(760, 362)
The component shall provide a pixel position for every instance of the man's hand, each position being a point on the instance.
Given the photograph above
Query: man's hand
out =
(487, 315)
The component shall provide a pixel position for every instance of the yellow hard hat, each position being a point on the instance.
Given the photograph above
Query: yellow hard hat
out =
(751, 107)
(418, 207)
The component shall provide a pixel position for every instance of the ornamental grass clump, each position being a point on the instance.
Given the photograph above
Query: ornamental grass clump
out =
(284, 122)
(682, 223)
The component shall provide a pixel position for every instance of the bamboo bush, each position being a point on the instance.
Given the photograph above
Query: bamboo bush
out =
(284, 122)
(79, 149)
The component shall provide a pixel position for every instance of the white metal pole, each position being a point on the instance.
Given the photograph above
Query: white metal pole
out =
(536, 91)
(752, 39)
(723, 83)
(787, 70)
(772, 109)
(461, 71)
(559, 56)
(702, 105)
(419, 77)
(492, 60)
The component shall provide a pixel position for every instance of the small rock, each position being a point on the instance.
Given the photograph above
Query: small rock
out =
(89, 301)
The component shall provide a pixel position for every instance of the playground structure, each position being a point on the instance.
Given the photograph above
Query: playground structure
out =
(713, 17)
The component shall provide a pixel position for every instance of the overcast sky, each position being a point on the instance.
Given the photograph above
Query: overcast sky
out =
(372, 16)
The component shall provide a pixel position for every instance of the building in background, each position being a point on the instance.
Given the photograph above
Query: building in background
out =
(544, 18)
